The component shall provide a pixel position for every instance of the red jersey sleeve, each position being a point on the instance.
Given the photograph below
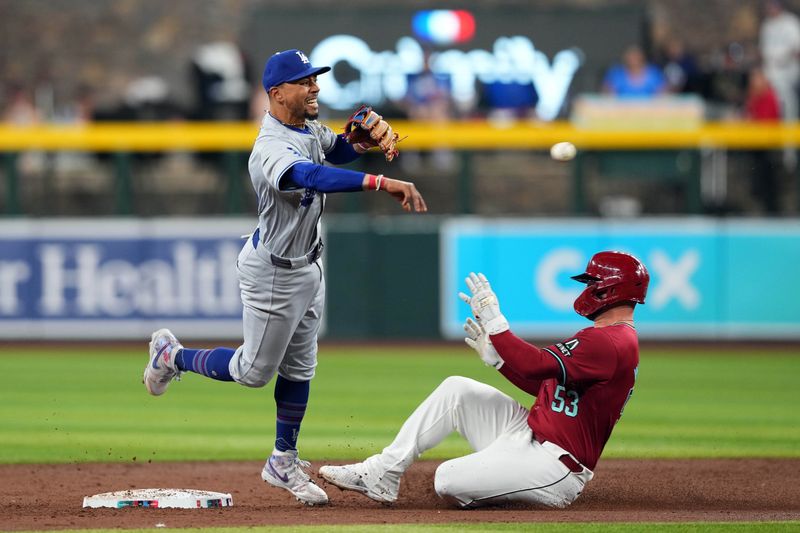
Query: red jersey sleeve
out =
(531, 386)
(588, 356)
(524, 364)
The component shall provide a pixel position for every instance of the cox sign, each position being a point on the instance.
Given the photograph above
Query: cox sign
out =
(709, 279)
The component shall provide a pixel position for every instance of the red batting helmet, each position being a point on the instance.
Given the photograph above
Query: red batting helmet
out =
(611, 278)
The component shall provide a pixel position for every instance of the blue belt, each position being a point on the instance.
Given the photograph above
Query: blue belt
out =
(297, 262)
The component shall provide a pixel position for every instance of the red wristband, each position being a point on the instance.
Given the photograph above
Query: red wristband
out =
(374, 183)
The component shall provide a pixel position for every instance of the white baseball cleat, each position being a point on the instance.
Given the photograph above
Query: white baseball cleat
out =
(161, 369)
(357, 477)
(285, 470)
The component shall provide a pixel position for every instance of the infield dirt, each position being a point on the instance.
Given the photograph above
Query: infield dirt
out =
(48, 497)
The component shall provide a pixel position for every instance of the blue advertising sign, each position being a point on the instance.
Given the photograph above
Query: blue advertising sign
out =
(120, 278)
(710, 279)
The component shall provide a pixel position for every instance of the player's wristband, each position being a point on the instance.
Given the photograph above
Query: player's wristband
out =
(374, 183)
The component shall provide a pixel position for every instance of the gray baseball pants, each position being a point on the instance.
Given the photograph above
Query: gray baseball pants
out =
(281, 318)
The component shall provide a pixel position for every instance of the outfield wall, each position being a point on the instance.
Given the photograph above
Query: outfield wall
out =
(710, 278)
(119, 278)
(396, 277)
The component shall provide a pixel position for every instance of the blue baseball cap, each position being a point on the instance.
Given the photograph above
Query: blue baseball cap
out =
(289, 65)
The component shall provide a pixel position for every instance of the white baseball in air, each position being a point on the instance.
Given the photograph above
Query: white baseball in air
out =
(563, 151)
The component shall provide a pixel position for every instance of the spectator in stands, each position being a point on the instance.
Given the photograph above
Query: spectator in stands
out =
(780, 53)
(81, 110)
(224, 90)
(149, 98)
(222, 81)
(762, 106)
(634, 77)
(428, 96)
(428, 99)
(20, 109)
(728, 72)
(762, 102)
(680, 68)
(510, 100)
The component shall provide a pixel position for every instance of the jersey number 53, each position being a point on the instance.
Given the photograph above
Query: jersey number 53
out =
(566, 401)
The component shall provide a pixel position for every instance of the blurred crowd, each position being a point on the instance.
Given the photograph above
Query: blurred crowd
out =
(755, 81)
(220, 76)
(224, 83)
(739, 80)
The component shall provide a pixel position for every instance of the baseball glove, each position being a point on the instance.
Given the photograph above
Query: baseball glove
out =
(365, 128)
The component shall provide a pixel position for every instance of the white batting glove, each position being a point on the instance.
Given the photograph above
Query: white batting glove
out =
(478, 340)
(484, 304)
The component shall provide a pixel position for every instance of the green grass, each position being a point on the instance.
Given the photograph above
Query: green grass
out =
(70, 404)
(556, 527)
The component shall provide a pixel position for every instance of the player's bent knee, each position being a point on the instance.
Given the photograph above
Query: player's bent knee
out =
(247, 381)
(255, 378)
(454, 381)
(455, 385)
(444, 486)
(297, 373)
(459, 387)
(440, 484)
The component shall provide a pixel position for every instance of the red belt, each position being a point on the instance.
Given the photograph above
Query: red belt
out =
(569, 462)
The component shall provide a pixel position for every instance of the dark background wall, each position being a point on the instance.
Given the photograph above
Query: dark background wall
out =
(382, 278)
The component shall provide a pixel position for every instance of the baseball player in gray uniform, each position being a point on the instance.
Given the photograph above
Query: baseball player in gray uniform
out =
(280, 273)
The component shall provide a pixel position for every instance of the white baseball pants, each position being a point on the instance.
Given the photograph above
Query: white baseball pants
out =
(508, 465)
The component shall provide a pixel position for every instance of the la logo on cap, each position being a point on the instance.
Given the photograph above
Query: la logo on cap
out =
(302, 56)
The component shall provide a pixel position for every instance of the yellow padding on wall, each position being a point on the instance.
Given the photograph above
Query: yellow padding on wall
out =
(473, 135)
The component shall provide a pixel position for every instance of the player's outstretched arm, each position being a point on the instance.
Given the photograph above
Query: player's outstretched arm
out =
(404, 191)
